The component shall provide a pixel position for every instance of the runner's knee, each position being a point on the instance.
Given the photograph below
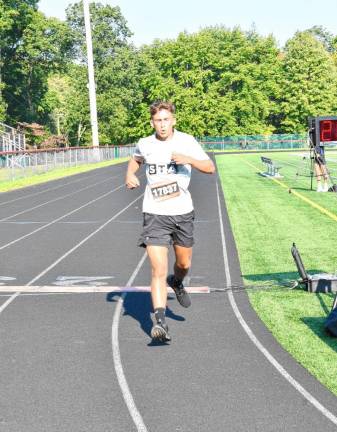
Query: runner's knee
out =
(159, 272)
(184, 264)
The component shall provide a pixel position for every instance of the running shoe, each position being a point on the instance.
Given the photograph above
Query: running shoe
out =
(178, 287)
(160, 332)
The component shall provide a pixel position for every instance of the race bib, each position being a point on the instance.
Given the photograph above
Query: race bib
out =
(163, 191)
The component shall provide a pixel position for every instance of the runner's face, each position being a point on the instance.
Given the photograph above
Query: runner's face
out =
(163, 122)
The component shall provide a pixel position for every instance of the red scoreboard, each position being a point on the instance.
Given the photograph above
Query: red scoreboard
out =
(323, 130)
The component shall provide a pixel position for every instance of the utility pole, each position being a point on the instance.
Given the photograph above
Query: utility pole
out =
(91, 76)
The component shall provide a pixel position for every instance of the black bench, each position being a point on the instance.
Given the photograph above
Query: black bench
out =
(272, 167)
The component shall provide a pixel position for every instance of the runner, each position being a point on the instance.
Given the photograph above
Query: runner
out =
(168, 213)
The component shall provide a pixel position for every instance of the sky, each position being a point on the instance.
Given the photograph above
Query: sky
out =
(160, 19)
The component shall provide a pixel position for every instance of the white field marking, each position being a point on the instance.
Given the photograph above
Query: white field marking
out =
(137, 221)
(11, 298)
(84, 289)
(308, 154)
(59, 218)
(328, 414)
(4, 279)
(36, 294)
(187, 281)
(47, 190)
(130, 403)
(70, 251)
(54, 200)
(44, 222)
(82, 280)
(16, 294)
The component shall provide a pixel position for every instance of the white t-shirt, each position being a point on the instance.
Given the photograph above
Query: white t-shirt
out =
(166, 191)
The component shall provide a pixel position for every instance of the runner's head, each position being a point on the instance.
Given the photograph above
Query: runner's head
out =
(163, 119)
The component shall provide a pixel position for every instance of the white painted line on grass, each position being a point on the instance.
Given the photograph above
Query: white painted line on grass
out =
(130, 403)
(328, 414)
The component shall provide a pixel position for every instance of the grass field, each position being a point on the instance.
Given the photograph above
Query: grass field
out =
(7, 185)
(266, 220)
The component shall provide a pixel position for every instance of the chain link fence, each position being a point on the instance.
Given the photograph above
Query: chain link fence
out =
(18, 164)
(255, 142)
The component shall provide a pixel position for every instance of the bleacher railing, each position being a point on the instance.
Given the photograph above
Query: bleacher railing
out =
(17, 164)
(11, 139)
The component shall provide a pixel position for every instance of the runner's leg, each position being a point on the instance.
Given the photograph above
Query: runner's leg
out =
(183, 261)
(181, 267)
(318, 173)
(158, 256)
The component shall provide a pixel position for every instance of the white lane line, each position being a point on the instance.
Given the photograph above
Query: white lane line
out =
(13, 297)
(70, 251)
(84, 289)
(38, 294)
(254, 339)
(56, 199)
(59, 218)
(9, 301)
(48, 189)
(44, 222)
(130, 403)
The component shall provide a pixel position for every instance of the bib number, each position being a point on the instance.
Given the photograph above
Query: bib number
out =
(164, 191)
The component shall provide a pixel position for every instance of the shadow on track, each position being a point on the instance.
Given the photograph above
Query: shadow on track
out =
(139, 307)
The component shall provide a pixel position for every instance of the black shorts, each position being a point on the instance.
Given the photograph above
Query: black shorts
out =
(319, 156)
(320, 159)
(161, 230)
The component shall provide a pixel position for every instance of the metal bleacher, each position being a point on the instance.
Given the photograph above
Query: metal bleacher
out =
(11, 140)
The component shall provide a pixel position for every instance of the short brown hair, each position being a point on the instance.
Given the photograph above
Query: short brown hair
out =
(158, 105)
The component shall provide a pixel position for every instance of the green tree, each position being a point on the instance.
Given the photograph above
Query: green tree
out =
(119, 95)
(32, 46)
(309, 84)
(324, 36)
(109, 31)
(222, 81)
(14, 17)
(59, 92)
(76, 106)
(115, 64)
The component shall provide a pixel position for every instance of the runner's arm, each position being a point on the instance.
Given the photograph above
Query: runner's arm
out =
(131, 179)
(205, 166)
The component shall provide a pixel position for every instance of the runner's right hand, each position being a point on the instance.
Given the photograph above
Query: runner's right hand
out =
(131, 181)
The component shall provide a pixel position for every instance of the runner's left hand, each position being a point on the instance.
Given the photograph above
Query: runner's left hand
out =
(181, 159)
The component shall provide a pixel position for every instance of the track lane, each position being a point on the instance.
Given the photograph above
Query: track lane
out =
(89, 415)
(50, 201)
(49, 212)
(18, 196)
(232, 386)
(212, 377)
(52, 243)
